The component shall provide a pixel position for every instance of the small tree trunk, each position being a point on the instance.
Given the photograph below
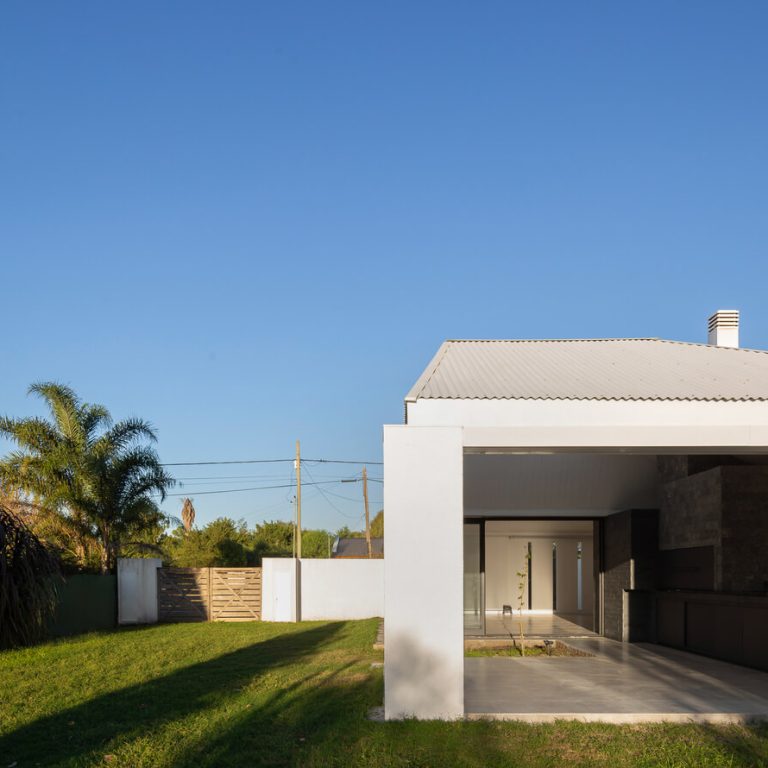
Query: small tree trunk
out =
(105, 551)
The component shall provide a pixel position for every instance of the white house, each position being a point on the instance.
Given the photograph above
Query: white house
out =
(630, 474)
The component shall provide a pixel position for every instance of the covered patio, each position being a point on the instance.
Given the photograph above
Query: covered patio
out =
(619, 683)
(614, 475)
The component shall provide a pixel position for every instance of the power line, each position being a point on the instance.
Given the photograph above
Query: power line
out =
(340, 461)
(329, 502)
(280, 476)
(265, 461)
(255, 488)
(348, 498)
(209, 463)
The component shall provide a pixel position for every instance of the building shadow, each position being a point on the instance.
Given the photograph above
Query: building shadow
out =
(81, 732)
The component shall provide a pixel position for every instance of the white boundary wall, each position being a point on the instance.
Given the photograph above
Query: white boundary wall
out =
(278, 589)
(342, 589)
(137, 590)
(330, 589)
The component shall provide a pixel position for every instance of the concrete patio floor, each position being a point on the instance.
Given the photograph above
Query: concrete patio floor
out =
(536, 625)
(621, 683)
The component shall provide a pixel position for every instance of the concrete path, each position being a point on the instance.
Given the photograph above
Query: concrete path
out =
(621, 683)
(378, 644)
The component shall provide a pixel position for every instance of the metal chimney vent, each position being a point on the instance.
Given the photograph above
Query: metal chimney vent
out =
(724, 328)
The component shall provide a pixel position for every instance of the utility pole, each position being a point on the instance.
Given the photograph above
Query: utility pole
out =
(367, 516)
(298, 500)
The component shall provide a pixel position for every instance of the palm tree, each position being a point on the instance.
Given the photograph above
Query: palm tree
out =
(188, 515)
(96, 478)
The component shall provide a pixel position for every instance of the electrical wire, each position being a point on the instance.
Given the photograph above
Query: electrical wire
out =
(266, 461)
(255, 488)
(209, 463)
(332, 505)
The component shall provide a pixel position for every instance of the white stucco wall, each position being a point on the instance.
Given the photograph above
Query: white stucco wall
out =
(137, 590)
(583, 414)
(342, 589)
(423, 596)
(278, 589)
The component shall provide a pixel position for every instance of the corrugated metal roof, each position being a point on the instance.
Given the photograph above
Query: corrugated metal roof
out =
(593, 369)
(357, 547)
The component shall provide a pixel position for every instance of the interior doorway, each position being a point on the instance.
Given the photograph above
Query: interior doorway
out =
(538, 573)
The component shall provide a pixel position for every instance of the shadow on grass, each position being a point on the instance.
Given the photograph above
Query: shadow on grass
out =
(77, 735)
(739, 746)
(319, 719)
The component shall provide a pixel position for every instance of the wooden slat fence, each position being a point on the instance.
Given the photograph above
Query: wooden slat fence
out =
(209, 594)
(235, 594)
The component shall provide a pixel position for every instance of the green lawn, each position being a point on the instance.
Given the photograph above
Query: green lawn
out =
(265, 694)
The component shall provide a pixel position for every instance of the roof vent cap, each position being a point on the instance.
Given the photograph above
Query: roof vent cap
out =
(724, 328)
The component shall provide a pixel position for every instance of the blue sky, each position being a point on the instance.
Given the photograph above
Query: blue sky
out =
(255, 222)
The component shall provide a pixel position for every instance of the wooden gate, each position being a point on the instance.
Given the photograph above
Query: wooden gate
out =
(208, 594)
(235, 594)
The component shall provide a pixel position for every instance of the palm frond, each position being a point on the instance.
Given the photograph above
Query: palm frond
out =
(64, 406)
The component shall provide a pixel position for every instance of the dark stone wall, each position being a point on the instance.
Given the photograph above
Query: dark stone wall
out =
(725, 508)
(691, 515)
(645, 548)
(630, 547)
(617, 557)
(744, 544)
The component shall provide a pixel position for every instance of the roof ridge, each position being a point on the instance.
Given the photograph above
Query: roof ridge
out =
(712, 346)
(606, 339)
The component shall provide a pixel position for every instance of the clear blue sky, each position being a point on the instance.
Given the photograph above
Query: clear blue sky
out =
(252, 222)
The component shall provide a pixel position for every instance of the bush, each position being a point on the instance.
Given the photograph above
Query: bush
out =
(29, 575)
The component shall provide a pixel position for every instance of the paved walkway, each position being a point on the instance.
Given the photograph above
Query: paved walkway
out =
(621, 683)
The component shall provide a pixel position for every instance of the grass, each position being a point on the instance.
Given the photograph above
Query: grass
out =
(532, 649)
(507, 650)
(218, 695)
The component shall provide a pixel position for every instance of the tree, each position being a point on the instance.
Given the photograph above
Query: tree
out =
(227, 543)
(188, 515)
(221, 543)
(345, 532)
(377, 525)
(92, 479)
(28, 579)
(316, 543)
(273, 539)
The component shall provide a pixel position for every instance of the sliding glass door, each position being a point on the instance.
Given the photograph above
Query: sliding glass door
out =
(474, 599)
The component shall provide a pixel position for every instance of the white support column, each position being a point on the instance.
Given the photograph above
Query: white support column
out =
(423, 572)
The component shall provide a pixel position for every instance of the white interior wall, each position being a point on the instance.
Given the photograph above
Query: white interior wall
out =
(423, 600)
(567, 574)
(506, 544)
(541, 574)
(505, 557)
